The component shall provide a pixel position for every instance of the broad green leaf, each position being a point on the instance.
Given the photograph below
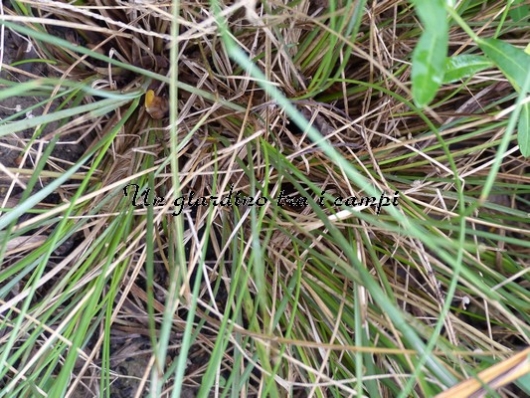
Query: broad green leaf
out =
(515, 64)
(519, 11)
(428, 66)
(432, 14)
(428, 58)
(512, 61)
(523, 131)
(462, 66)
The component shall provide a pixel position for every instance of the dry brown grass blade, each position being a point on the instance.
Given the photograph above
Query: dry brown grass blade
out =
(495, 376)
(23, 243)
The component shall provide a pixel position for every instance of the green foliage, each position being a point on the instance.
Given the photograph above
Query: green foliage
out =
(334, 300)
(459, 67)
(431, 68)
(514, 63)
(430, 53)
(519, 10)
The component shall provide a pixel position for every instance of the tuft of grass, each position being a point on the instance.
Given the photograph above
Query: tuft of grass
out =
(203, 239)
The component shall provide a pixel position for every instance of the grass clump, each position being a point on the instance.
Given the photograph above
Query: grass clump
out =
(189, 199)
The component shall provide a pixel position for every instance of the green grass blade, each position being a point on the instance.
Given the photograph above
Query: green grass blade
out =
(95, 109)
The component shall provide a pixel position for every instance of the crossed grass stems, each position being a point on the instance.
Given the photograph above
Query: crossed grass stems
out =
(278, 300)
